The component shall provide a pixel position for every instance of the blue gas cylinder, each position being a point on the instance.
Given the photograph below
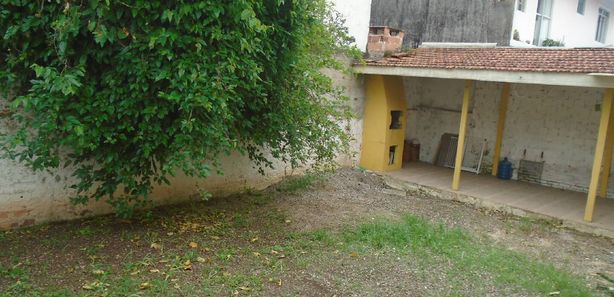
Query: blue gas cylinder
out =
(505, 169)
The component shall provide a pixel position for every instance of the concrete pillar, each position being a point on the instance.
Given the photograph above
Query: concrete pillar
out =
(384, 123)
(462, 133)
(604, 123)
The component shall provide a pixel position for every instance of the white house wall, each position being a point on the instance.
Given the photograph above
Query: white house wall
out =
(524, 23)
(357, 15)
(574, 29)
(561, 122)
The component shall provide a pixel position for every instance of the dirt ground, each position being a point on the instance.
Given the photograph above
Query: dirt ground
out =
(255, 244)
(351, 196)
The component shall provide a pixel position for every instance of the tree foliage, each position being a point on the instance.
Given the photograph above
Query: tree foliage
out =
(127, 93)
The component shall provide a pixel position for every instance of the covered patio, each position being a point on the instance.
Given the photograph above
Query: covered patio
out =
(510, 196)
(508, 67)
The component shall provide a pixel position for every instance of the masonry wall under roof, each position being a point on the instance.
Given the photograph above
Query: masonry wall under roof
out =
(554, 124)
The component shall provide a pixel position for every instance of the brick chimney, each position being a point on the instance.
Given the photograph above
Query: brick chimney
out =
(384, 40)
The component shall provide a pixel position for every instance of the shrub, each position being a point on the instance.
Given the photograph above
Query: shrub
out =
(552, 42)
(128, 93)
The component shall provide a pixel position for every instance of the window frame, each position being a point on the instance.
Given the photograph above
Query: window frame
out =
(603, 21)
(581, 9)
(521, 5)
(396, 117)
(540, 15)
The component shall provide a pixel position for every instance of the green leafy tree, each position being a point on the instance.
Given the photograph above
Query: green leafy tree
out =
(553, 43)
(127, 93)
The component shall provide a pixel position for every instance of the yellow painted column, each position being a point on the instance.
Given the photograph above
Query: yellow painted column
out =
(505, 94)
(462, 132)
(607, 158)
(383, 140)
(606, 109)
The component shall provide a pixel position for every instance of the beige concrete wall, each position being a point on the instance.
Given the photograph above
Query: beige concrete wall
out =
(28, 198)
(561, 122)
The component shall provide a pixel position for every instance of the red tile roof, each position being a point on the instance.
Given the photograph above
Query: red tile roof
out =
(582, 60)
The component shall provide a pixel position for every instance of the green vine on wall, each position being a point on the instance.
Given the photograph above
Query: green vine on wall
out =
(128, 93)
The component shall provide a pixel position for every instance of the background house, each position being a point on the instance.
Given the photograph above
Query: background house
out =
(446, 21)
(576, 23)
(356, 14)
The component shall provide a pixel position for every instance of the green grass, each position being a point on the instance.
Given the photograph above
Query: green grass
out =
(468, 256)
(86, 231)
(216, 281)
(14, 272)
(295, 184)
(239, 221)
(322, 235)
(235, 263)
(225, 254)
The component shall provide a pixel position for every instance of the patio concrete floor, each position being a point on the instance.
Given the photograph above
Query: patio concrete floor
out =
(511, 196)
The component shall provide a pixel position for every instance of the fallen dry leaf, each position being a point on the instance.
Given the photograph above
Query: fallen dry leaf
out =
(154, 270)
(245, 288)
(353, 254)
(97, 272)
(156, 246)
(88, 287)
(193, 245)
(145, 286)
(187, 265)
(92, 285)
(254, 239)
(257, 254)
(201, 260)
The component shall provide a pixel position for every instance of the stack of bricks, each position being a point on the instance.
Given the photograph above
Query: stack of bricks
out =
(383, 41)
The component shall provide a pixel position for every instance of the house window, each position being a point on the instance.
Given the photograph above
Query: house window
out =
(395, 119)
(602, 25)
(392, 155)
(581, 6)
(543, 17)
(521, 5)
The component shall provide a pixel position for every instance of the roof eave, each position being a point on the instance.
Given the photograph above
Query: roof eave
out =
(591, 80)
